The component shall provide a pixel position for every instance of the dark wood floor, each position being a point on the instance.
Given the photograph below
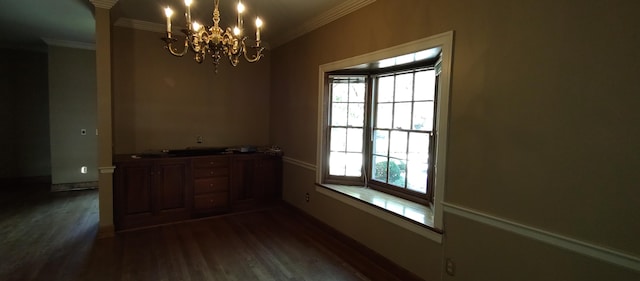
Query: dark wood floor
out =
(51, 236)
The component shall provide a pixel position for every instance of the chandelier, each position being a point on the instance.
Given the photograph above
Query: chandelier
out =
(213, 40)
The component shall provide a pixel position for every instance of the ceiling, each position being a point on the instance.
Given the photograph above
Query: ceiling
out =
(28, 24)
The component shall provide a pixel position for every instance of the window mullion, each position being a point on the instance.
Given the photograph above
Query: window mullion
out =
(367, 140)
(393, 121)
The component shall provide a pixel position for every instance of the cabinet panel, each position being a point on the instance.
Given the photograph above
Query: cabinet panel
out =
(207, 162)
(268, 173)
(171, 186)
(255, 180)
(209, 185)
(210, 172)
(211, 201)
(137, 195)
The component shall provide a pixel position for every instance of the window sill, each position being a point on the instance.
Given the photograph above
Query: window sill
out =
(404, 213)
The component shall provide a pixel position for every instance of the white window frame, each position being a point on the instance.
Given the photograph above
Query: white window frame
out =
(443, 41)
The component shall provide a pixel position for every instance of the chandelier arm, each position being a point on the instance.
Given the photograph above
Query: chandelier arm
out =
(169, 46)
(256, 57)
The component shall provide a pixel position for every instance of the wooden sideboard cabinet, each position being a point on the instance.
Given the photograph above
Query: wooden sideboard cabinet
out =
(210, 184)
(255, 180)
(151, 191)
(156, 190)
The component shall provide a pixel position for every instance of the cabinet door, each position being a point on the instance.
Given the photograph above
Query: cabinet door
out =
(137, 195)
(255, 179)
(170, 186)
(133, 195)
(267, 177)
(242, 178)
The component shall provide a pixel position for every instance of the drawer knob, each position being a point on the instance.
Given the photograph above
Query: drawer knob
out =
(210, 185)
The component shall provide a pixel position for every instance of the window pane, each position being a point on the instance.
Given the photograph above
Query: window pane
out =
(385, 89)
(340, 92)
(385, 115)
(423, 116)
(425, 85)
(397, 172)
(417, 176)
(356, 114)
(339, 114)
(357, 91)
(402, 116)
(354, 164)
(398, 145)
(404, 87)
(337, 163)
(338, 139)
(419, 147)
(379, 167)
(381, 142)
(354, 140)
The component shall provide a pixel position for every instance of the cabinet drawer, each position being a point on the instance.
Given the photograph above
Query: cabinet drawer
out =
(211, 201)
(210, 172)
(211, 162)
(209, 185)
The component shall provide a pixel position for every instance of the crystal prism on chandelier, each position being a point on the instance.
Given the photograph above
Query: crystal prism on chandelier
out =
(213, 40)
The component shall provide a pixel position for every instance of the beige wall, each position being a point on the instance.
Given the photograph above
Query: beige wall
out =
(24, 114)
(543, 129)
(165, 102)
(72, 107)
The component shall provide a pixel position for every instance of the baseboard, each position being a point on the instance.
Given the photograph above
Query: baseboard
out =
(74, 186)
(378, 259)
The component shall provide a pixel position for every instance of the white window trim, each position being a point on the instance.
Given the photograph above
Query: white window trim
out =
(444, 41)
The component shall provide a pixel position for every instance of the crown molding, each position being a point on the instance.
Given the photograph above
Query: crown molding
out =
(322, 19)
(141, 25)
(69, 44)
(104, 4)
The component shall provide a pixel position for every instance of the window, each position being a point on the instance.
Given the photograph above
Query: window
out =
(392, 145)
(347, 125)
(383, 122)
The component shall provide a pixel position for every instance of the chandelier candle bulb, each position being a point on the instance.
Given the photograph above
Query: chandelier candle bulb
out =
(258, 26)
(188, 4)
(168, 12)
(240, 11)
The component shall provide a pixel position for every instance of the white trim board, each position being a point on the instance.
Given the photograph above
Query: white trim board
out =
(560, 241)
(299, 163)
(69, 44)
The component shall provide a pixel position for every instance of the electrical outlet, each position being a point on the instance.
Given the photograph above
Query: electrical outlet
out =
(306, 197)
(450, 267)
(199, 139)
